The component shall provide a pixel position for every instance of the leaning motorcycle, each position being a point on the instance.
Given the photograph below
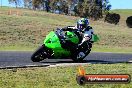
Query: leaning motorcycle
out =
(62, 44)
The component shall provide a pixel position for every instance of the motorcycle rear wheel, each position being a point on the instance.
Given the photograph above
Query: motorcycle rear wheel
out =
(76, 57)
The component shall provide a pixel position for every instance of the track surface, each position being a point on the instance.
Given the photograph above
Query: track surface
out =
(20, 59)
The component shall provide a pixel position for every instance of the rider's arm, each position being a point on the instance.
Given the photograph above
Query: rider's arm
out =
(88, 34)
(68, 28)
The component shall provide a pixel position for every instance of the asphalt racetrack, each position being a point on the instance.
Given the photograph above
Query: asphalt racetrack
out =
(22, 59)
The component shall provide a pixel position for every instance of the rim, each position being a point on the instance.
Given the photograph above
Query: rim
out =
(80, 55)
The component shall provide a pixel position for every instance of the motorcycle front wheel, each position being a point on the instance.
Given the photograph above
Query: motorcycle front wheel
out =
(39, 54)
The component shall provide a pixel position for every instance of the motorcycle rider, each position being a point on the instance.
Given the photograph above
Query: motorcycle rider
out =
(85, 31)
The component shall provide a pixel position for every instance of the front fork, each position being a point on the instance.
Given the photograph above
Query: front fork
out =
(49, 52)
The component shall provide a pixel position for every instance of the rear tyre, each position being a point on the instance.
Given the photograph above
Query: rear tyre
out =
(39, 54)
(81, 53)
(78, 57)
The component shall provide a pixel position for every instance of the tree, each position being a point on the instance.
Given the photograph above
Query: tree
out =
(106, 6)
(17, 2)
(44, 4)
(36, 4)
(91, 8)
(53, 5)
(95, 9)
(47, 5)
(64, 7)
(57, 5)
(79, 8)
(27, 4)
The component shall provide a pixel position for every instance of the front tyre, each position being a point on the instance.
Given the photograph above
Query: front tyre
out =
(39, 54)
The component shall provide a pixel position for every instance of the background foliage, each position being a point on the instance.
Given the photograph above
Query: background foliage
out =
(84, 8)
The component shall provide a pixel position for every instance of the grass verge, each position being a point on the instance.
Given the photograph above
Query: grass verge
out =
(112, 49)
(18, 48)
(96, 48)
(60, 77)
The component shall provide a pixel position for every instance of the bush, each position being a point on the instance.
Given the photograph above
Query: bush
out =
(129, 21)
(112, 18)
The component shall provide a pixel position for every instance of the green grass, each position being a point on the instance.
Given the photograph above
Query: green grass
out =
(29, 30)
(114, 49)
(60, 77)
(123, 11)
(18, 48)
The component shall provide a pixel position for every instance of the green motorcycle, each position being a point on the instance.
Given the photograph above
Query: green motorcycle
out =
(62, 44)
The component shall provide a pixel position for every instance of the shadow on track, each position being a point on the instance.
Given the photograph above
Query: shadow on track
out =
(84, 61)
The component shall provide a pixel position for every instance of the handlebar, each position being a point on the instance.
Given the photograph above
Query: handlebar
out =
(60, 33)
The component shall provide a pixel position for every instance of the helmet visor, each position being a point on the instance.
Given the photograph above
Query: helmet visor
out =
(81, 26)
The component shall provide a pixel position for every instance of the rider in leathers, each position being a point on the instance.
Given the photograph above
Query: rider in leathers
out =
(84, 30)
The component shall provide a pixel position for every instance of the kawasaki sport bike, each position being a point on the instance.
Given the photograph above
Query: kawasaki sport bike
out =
(61, 44)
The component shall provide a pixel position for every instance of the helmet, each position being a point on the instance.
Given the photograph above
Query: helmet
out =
(82, 23)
